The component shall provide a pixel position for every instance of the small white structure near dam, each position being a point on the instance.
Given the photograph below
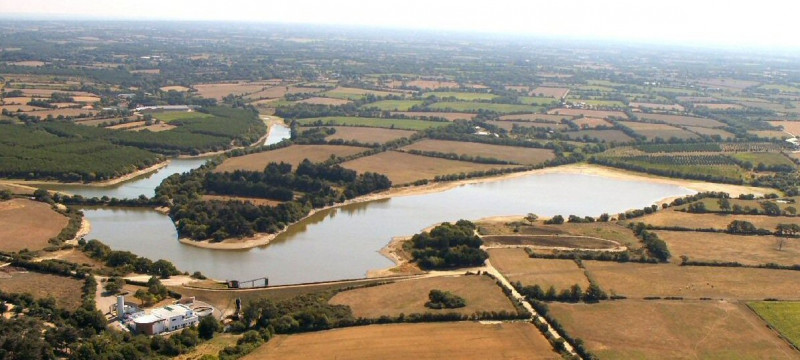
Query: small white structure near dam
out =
(167, 318)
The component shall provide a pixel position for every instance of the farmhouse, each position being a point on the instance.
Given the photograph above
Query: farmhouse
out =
(167, 318)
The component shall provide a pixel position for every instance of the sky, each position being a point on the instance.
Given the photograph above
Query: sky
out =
(764, 23)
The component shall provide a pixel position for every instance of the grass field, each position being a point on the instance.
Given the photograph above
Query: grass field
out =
(714, 106)
(255, 201)
(782, 316)
(28, 224)
(168, 116)
(466, 106)
(409, 297)
(766, 158)
(671, 330)
(636, 280)
(459, 340)
(405, 124)
(781, 88)
(355, 93)
(432, 84)
(218, 91)
(515, 265)
(210, 347)
(463, 96)
(792, 127)
(711, 132)
(518, 155)
(674, 107)
(770, 134)
(532, 117)
(324, 101)
(281, 91)
(604, 230)
(601, 135)
(681, 120)
(715, 221)
(368, 135)
(554, 92)
(750, 250)
(451, 116)
(652, 131)
(293, 155)
(588, 122)
(535, 100)
(509, 125)
(588, 113)
(565, 241)
(602, 103)
(393, 105)
(66, 291)
(404, 168)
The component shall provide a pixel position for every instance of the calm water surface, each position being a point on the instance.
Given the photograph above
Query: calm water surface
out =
(344, 243)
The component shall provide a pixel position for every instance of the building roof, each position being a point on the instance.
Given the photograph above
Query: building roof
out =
(147, 319)
(162, 313)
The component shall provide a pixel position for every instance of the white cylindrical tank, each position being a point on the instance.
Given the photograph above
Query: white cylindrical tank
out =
(120, 306)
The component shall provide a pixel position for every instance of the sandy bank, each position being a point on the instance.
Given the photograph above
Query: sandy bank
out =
(583, 169)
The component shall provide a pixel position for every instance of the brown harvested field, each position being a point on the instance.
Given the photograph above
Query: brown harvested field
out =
(254, 201)
(62, 112)
(28, 224)
(66, 291)
(16, 108)
(294, 155)
(532, 117)
(602, 135)
(589, 113)
(155, 127)
(177, 88)
(17, 100)
(588, 122)
(126, 126)
(95, 122)
(423, 341)
(719, 106)
(748, 250)
(31, 63)
(431, 84)
(792, 127)
(694, 99)
(521, 88)
(683, 120)
(218, 91)
(711, 132)
(324, 101)
(48, 92)
(225, 300)
(516, 265)
(770, 134)
(86, 99)
(409, 297)
(715, 221)
(670, 107)
(451, 116)
(368, 135)
(604, 230)
(519, 155)
(671, 330)
(17, 189)
(356, 91)
(146, 71)
(728, 83)
(561, 241)
(402, 168)
(637, 280)
(652, 131)
(509, 125)
(554, 92)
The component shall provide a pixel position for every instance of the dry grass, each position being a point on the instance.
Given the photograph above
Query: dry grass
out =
(460, 340)
(409, 297)
(715, 221)
(563, 241)
(509, 125)
(30, 63)
(518, 155)
(451, 116)
(589, 123)
(218, 91)
(127, 126)
(515, 265)
(602, 135)
(324, 101)
(728, 83)
(155, 127)
(281, 91)
(671, 330)
(61, 112)
(711, 132)
(28, 224)
(589, 113)
(641, 280)
(770, 134)
(652, 131)
(86, 99)
(66, 291)
(210, 347)
(402, 168)
(17, 100)
(368, 135)
(792, 127)
(670, 107)
(254, 201)
(603, 230)
(719, 106)
(533, 117)
(749, 250)
(294, 155)
(146, 71)
(554, 92)
(431, 84)
(177, 88)
(683, 120)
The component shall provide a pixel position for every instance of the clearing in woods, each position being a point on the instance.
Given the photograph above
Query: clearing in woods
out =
(423, 341)
(28, 224)
(516, 265)
(636, 280)
(409, 297)
(294, 155)
(402, 168)
(517, 155)
(635, 329)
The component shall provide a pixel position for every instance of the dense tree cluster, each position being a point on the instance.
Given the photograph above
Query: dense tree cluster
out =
(448, 246)
(438, 299)
(654, 245)
(126, 261)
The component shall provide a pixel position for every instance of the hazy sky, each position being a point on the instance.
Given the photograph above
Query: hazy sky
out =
(765, 23)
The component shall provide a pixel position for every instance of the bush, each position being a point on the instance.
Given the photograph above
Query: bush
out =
(444, 300)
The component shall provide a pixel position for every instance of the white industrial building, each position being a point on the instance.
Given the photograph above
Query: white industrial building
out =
(164, 319)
